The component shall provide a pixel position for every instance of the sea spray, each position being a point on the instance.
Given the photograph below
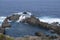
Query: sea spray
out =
(23, 16)
(49, 19)
(2, 18)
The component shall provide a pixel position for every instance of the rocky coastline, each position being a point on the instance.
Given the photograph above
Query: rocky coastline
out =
(32, 20)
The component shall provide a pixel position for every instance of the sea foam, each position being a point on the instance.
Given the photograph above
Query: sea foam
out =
(2, 18)
(49, 19)
(23, 16)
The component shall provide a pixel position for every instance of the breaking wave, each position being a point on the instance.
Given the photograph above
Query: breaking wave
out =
(46, 19)
(23, 16)
(2, 18)
(49, 19)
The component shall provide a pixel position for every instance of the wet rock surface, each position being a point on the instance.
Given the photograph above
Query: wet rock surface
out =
(2, 30)
(13, 17)
(32, 20)
(55, 24)
(6, 23)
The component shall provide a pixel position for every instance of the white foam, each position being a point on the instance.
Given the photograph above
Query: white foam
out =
(9, 21)
(2, 18)
(23, 16)
(29, 13)
(21, 13)
(49, 19)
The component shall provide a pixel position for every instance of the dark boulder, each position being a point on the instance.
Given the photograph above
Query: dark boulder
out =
(13, 17)
(55, 24)
(53, 37)
(39, 34)
(32, 20)
(24, 12)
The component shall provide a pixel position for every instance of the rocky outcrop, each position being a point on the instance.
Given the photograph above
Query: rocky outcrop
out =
(54, 28)
(5, 23)
(32, 20)
(13, 17)
(35, 21)
(55, 24)
(43, 37)
(36, 38)
(50, 27)
(2, 30)
(39, 36)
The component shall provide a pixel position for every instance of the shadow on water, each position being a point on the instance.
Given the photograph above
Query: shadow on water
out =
(21, 29)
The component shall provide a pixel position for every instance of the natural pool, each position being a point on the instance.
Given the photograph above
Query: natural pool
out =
(22, 29)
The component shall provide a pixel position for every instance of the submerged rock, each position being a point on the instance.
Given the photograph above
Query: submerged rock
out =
(52, 31)
(39, 34)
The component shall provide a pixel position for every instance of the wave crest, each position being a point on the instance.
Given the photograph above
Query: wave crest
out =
(49, 19)
(23, 15)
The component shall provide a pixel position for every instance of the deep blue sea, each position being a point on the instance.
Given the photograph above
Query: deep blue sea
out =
(39, 8)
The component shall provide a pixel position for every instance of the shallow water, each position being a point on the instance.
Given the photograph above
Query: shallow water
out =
(22, 29)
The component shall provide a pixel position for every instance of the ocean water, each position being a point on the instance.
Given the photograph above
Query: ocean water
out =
(37, 7)
(46, 10)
